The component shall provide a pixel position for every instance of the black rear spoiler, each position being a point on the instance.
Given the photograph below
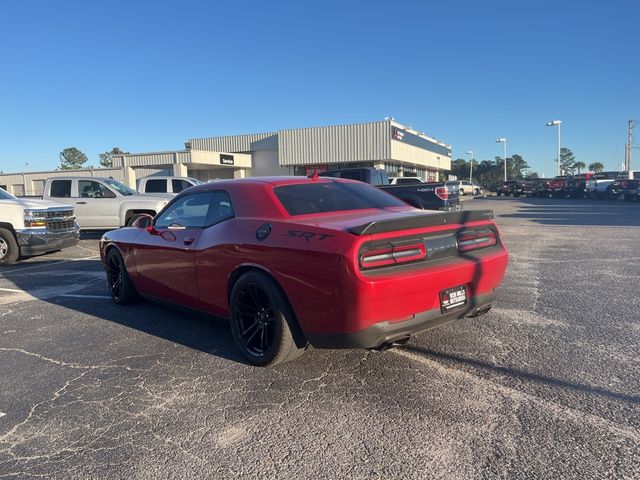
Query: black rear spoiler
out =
(421, 220)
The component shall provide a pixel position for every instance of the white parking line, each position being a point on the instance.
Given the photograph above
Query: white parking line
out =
(2, 414)
(11, 290)
(66, 260)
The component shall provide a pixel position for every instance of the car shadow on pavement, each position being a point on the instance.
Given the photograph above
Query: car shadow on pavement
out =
(521, 375)
(195, 330)
(574, 212)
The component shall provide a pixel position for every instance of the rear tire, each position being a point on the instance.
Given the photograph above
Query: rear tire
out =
(9, 250)
(261, 319)
(120, 286)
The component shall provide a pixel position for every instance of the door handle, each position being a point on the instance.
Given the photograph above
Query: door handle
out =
(81, 203)
(189, 241)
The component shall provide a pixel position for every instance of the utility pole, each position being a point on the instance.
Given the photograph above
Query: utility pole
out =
(627, 149)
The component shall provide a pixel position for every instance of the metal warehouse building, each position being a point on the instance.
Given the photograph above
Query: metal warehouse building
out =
(386, 144)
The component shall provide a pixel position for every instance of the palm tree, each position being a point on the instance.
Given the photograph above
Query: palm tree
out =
(579, 166)
(596, 167)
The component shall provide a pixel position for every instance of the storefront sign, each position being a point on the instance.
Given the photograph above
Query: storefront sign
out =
(226, 159)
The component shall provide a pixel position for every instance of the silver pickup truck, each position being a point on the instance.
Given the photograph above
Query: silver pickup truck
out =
(103, 203)
(32, 227)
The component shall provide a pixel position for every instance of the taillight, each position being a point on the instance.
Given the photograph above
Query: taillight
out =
(442, 193)
(392, 255)
(474, 240)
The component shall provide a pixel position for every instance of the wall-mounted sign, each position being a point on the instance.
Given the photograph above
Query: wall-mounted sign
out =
(311, 169)
(226, 159)
(409, 138)
(398, 134)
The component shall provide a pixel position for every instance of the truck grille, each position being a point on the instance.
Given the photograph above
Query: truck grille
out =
(58, 213)
(60, 220)
(59, 225)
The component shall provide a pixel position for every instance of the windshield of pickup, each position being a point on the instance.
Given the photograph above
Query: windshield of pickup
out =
(300, 199)
(120, 187)
(6, 195)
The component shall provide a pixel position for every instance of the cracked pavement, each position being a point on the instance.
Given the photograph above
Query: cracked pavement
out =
(546, 385)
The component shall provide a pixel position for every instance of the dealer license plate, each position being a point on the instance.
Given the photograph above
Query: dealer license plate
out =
(452, 298)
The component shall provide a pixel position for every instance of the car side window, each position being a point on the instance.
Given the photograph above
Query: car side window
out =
(157, 185)
(180, 185)
(60, 189)
(190, 211)
(91, 189)
(220, 208)
(352, 175)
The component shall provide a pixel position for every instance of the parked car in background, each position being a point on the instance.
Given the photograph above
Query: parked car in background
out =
(598, 185)
(429, 196)
(165, 184)
(102, 203)
(466, 187)
(296, 261)
(625, 189)
(405, 180)
(504, 189)
(33, 227)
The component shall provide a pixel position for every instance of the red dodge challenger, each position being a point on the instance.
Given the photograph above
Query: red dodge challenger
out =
(293, 261)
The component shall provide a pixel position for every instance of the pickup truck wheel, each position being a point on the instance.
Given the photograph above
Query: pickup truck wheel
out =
(260, 316)
(9, 251)
(120, 287)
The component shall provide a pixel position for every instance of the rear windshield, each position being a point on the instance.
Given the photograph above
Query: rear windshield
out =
(332, 197)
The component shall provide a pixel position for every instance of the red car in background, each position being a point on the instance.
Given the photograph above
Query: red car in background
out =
(293, 261)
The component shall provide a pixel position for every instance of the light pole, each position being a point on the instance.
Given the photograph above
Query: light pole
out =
(556, 123)
(503, 141)
(470, 152)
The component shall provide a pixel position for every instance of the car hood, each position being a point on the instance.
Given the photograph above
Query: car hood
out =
(35, 203)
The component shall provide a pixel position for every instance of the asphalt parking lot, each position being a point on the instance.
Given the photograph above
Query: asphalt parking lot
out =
(547, 385)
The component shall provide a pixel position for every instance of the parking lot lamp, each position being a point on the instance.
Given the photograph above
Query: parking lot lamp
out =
(556, 123)
(503, 141)
(470, 152)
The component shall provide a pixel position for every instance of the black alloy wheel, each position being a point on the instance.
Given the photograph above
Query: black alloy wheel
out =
(255, 318)
(260, 321)
(121, 289)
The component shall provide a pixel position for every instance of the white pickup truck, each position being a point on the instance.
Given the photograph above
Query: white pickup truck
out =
(165, 184)
(102, 203)
(32, 227)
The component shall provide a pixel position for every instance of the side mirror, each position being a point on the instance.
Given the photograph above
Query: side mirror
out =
(143, 220)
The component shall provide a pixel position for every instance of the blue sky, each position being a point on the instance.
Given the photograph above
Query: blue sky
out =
(148, 75)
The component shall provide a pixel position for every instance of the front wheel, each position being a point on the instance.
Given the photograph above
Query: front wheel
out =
(120, 286)
(260, 321)
(9, 251)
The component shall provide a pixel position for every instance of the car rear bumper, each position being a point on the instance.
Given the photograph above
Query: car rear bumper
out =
(383, 333)
(37, 241)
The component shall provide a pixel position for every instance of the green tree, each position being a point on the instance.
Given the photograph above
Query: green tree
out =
(567, 161)
(596, 167)
(72, 158)
(460, 168)
(106, 158)
(517, 165)
(579, 166)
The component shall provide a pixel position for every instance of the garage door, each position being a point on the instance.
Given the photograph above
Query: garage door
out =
(18, 190)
